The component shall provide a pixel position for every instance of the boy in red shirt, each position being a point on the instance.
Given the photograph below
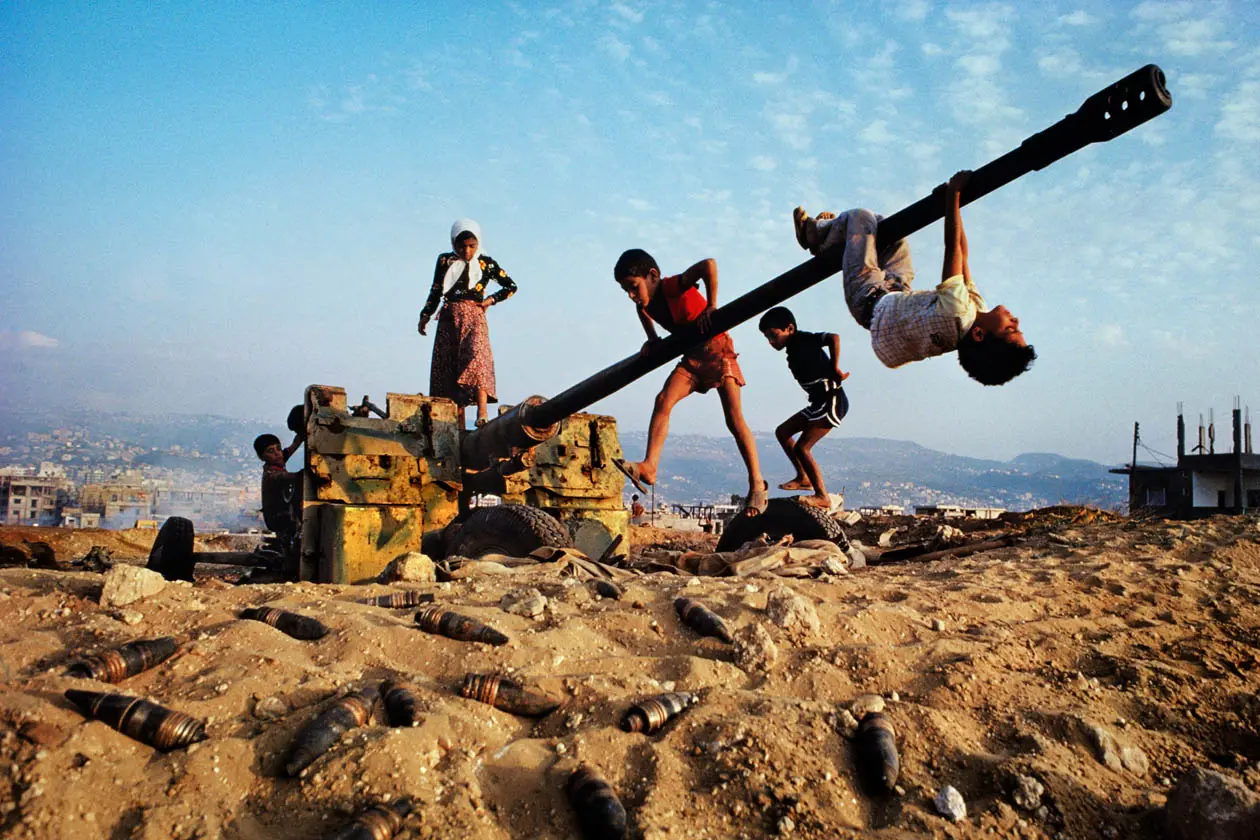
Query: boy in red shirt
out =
(674, 302)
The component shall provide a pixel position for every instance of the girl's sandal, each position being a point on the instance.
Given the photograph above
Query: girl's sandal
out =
(756, 500)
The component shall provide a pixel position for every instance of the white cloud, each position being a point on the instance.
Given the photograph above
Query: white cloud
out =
(626, 13)
(913, 11)
(764, 78)
(1078, 18)
(1187, 28)
(932, 50)
(639, 204)
(1195, 85)
(25, 339)
(876, 133)
(1110, 335)
(618, 49)
(763, 163)
(1060, 63)
(985, 26)
(1240, 115)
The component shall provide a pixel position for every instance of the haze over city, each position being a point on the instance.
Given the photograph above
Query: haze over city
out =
(207, 208)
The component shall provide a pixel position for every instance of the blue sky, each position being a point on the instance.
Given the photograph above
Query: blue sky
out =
(206, 207)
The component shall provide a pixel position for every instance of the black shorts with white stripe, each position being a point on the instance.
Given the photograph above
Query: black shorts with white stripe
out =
(827, 402)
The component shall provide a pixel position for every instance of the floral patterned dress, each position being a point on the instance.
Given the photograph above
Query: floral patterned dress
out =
(463, 362)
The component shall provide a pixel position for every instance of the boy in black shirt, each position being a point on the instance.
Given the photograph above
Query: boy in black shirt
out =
(820, 375)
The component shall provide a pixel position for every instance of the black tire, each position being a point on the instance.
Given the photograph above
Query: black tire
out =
(172, 554)
(782, 517)
(296, 421)
(514, 530)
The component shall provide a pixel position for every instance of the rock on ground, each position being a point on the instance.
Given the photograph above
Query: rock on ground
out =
(787, 609)
(126, 584)
(413, 567)
(1206, 805)
(950, 804)
(755, 649)
(526, 601)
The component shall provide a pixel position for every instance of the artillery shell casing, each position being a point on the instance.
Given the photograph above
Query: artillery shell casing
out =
(876, 744)
(325, 730)
(651, 714)
(402, 707)
(143, 720)
(122, 662)
(380, 822)
(607, 589)
(452, 625)
(507, 695)
(398, 600)
(702, 619)
(599, 812)
(292, 624)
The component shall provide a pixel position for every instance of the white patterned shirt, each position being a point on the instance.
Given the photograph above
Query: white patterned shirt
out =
(909, 326)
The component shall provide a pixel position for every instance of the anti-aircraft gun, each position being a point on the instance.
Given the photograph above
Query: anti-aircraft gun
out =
(378, 487)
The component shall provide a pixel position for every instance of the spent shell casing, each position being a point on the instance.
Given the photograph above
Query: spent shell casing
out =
(122, 662)
(607, 589)
(651, 714)
(320, 734)
(143, 720)
(507, 695)
(402, 707)
(290, 623)
(398, 600)
(452, 625)
(876, 745)
(702, 619)
(380, 822)
(600, 814)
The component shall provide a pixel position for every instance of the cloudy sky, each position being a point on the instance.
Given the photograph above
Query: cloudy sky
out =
(207, 207)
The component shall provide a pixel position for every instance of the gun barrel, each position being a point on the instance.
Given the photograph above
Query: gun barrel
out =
(1123, 105)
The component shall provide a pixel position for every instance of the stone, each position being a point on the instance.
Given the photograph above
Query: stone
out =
(270, 708)
(834, 566)
(787, 610)
(857, 556)
(525, 600)
(950, 804)
(1206, 805)
(1027, 793)
(412, 567)
(126, 584)
(1134, 760)
(1105, 748)
(131, 617)
(40, 733)
(754, 648)
(938, 625)
(865, 704)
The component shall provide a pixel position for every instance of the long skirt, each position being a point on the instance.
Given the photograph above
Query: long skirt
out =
(462, 359)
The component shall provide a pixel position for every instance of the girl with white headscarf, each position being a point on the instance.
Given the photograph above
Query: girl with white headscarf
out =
(463, 364)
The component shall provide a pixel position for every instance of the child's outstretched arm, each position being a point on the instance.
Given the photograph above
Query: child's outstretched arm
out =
(648, 328)
(833, 348)
(705, 272)
(955, 237)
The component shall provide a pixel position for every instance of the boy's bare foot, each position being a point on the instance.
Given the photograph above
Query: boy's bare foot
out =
(798, 224)
(637, 473)
(796, 484)
(815, 501)
(756, 500)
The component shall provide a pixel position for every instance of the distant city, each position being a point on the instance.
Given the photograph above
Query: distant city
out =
(94, 469)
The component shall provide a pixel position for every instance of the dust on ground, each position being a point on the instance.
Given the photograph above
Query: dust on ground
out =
(1097, 660)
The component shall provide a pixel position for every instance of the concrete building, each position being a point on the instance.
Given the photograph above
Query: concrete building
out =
(1204, 481)
(32, 499)
(74, 517)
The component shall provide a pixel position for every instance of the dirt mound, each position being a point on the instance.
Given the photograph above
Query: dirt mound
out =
(1060, 685)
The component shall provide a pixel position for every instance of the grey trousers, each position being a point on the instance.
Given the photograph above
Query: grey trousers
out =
(868, 275)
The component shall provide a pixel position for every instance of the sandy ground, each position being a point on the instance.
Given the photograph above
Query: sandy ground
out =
(1003, 664)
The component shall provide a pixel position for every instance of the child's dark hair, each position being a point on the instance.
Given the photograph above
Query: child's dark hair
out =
(779, 318)
(994, 360)
(263, 441)
(634, 263)
(468, 234)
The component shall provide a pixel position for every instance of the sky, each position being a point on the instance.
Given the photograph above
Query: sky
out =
(206, 207)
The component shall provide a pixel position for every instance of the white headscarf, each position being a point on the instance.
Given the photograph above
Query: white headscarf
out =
(456, 268)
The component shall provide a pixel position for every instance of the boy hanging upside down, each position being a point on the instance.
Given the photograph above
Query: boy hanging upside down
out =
(674, 302)
(906, 325)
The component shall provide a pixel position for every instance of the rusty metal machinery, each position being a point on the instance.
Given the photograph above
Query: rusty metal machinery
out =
(378, 487)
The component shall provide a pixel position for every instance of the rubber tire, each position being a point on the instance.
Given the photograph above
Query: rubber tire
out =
(782, 516)
(514, 530)
(172, 553)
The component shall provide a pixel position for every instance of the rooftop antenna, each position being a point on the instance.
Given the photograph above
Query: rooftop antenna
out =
(1211, 431)
(1201, 447)
(1247, 430)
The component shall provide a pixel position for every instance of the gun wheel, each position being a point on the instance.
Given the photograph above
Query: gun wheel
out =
(782, 517)
(172, 552)
(514, 530)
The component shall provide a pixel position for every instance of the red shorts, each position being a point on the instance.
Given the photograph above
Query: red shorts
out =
(710, 364)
